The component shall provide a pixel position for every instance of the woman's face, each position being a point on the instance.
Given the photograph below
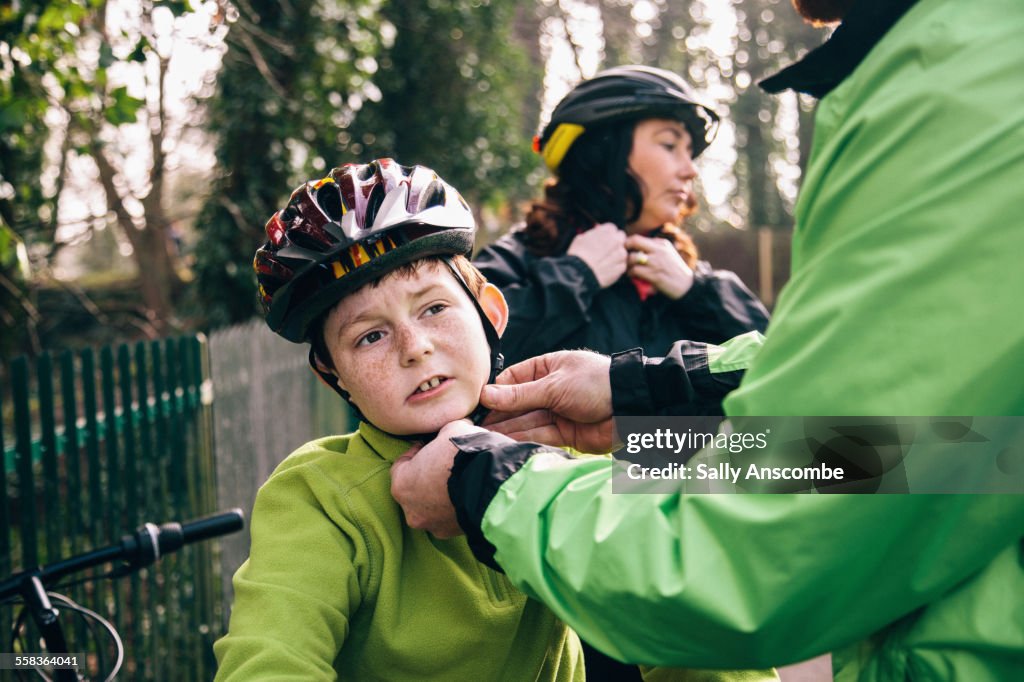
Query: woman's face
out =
(661, 160)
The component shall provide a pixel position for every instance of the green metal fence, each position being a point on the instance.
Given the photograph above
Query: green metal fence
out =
(94, 444)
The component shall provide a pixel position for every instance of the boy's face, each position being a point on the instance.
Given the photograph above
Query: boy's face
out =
(411, 351)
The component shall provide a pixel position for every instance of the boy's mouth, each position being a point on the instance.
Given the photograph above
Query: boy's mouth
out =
(429, 385)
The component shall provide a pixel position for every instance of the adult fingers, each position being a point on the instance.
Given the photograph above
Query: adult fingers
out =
(504, 422)
(638, 258)
(523, 397)
(644, 272)
(638, 242)
(530, 369)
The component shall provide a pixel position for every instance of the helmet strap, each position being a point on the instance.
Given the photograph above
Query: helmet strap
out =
(493, 340)
(331, 380)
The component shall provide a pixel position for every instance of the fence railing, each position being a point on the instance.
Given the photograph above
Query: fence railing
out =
(95, 444)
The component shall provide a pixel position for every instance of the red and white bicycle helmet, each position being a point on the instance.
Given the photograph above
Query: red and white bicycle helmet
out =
(351, 227)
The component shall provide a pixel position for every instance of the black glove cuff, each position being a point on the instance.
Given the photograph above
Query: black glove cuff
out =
(484, 462)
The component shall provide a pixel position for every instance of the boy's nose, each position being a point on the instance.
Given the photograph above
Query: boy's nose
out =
(414, 344)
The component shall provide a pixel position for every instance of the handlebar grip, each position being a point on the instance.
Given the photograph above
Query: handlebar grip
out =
(213, 526)
(151, 542)
(142, 548)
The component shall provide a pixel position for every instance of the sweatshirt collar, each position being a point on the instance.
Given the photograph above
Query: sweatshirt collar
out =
(387, 446)
(828, 65)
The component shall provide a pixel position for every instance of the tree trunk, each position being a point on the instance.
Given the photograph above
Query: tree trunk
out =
(526, 32)
(619, 33)
(158, 280)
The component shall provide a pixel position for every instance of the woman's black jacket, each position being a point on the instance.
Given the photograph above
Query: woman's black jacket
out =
(555, 303)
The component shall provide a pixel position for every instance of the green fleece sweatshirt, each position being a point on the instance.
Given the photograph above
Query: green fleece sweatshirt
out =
(338, 586)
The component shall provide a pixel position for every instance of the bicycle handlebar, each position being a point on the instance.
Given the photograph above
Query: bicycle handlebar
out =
(144, 547)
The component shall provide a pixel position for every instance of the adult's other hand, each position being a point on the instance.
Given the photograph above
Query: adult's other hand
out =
(419, 482)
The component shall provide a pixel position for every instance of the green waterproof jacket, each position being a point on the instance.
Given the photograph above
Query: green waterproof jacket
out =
(905, 299)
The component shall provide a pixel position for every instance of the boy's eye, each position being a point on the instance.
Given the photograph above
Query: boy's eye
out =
(670, 146)
(436, 308)
(370, 338)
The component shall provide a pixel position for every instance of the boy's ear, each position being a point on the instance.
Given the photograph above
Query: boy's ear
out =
(321, 368)
(493, 303)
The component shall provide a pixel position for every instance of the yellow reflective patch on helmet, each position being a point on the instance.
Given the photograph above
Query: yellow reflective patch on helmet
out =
(563, 137)
(361, 254)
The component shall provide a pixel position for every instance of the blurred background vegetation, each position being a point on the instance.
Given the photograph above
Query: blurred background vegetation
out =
(144, 143)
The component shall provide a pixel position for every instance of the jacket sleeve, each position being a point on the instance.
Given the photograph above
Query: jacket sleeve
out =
(692, 379)
(719, 306)
(716, 580)
(895, 307)
(296, 592)
(548, 298)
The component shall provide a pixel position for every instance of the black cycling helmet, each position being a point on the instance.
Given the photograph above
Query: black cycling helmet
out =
(620, 94)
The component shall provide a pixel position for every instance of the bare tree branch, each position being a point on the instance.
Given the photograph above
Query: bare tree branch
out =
(274, 42)
(26, 304)
(65, 152)
(577, 49)
(236, 213)
(153, 202)
(114, 202)
(261, 64)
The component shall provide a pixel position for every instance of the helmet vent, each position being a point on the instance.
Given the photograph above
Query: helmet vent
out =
(373, 203)
(329, 199)
(368, 171)
(432, 196)
(305, 240)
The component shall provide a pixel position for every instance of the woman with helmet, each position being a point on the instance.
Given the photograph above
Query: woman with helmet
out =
(602, 262)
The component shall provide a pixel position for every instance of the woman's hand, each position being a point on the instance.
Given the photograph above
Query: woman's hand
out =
(657, 261)
(602, 248)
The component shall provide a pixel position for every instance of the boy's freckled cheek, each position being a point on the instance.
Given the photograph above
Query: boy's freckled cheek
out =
(364, 376)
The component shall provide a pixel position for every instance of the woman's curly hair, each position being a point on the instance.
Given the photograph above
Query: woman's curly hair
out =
(582, 195)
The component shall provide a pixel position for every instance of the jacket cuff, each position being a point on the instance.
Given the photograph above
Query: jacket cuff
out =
(591, 284)
(698, 291)
(678, 384)
(484, 462)
(630, 395)
(671, 380)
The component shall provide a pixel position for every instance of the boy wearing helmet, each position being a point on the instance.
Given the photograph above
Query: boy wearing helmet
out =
(369, 266)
